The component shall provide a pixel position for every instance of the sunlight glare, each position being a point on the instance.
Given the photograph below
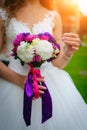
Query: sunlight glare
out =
(83, 6)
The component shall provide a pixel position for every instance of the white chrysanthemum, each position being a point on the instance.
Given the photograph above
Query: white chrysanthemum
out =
(25, 52)
(44, 49)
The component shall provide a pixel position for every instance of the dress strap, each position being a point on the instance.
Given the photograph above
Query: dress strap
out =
(51, 16)
(3, 15)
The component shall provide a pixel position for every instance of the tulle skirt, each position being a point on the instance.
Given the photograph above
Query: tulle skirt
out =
(69, 109)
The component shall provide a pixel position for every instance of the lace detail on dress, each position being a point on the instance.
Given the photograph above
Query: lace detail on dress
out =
(3, 15)
(50, 17)
(46, 25)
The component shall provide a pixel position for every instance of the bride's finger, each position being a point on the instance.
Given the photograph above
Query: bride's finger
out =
(40, 79)
(71, 43)
(42, 87)
(71, 39)
(71, 35)
(75, 48)
(41, 92)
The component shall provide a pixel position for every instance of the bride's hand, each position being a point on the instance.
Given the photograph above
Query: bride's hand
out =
(41, 88)
(72, 42)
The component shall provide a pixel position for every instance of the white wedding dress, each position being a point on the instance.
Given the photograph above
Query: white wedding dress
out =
(69, 109)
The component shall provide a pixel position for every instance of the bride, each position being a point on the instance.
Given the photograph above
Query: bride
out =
(69, 109)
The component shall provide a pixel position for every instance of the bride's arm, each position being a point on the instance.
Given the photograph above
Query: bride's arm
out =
(1, 34)
(11, 76)
(71, 40)
(5, 72)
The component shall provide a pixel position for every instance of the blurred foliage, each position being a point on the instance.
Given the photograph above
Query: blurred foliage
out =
(84, 38)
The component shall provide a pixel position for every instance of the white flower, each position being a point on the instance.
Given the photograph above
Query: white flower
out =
(25, 52)
(35, 41)
(44, 49)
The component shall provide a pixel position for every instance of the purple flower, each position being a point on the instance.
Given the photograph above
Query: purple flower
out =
(56, 45)
(50, 38)
(25, 34)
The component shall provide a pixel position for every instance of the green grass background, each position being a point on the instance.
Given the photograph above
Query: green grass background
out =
(77, 68)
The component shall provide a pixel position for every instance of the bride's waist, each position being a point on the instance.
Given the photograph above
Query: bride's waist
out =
(16, 66)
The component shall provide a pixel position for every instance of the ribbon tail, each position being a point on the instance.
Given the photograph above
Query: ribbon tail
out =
(28, 94)
(46, 105)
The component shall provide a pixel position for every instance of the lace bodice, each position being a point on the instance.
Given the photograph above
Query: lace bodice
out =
(14, 27)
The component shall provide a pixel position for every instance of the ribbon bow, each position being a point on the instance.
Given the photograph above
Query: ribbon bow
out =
(31, 89)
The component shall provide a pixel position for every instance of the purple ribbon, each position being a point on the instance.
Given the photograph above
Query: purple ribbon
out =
(28, 95)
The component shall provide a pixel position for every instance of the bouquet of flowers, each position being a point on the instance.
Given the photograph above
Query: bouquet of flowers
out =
(34, 50)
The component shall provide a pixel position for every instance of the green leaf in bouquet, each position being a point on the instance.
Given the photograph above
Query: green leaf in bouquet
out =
(22, 63)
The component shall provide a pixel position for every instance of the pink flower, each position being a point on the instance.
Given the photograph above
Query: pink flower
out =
(29, 38)
(18, 39)
(14, 50)
(37, 58)
(44, 38)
